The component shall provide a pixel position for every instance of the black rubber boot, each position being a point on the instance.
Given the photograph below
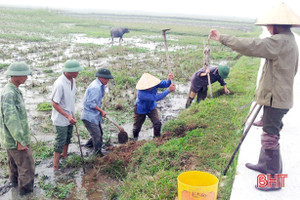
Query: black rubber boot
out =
(189, 102)
(89, 143)
(157, 128)
(135, 134)
(261, 165)
(274, 166)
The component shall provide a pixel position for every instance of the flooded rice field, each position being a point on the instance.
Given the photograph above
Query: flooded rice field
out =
(46, 60)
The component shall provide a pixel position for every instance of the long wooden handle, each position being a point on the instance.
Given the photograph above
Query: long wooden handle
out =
(78, 138)
(242, 139)
(121, 129)
(246, 119)
(206, 52)
(167, 52)
(209, 84)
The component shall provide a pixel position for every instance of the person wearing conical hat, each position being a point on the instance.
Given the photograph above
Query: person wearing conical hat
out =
(63, 111)
(14, 130)
(275, 89)
(199, 82)
(145, 104)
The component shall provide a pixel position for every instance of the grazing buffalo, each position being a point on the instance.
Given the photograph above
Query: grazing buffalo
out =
(118, 33)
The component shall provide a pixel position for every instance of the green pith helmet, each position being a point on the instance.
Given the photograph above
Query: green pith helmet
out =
(72, 66)
(18, 69)
(104, 73)
(223, 71)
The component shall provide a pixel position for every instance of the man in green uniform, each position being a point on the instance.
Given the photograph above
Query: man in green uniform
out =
(14, 131)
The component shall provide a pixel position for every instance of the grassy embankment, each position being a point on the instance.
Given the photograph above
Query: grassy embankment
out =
(212, 128)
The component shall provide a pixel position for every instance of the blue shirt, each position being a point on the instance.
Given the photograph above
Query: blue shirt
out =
(93, 97)
(146, 100)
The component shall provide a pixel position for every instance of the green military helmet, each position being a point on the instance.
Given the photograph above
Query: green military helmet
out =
(223, 71)
(18, 69)
(72, 66)
(104, 73)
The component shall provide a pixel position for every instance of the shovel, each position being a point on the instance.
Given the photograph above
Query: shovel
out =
(122, 135)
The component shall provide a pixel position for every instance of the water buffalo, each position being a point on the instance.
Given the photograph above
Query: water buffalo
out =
(118, 33)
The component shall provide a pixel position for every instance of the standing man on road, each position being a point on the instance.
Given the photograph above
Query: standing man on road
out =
(14, 130)
(275, 89)
(92, 113)
(145, 103)
(63, 102)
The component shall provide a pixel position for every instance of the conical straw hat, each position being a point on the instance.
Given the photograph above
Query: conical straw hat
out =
(147, 81)
(280, 15)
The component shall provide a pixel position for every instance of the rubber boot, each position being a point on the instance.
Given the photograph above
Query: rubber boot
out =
(189, 102)
(157, 129)
(261, 165)
(89, 143)
(274, 166)
(258, 123)
(56, 157)
(135, 134)
(65, 151)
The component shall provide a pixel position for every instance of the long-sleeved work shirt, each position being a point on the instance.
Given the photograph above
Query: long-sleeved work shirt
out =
(146, 99)
(198, 81)
(93, 97)
(13, 118)
(275, 87)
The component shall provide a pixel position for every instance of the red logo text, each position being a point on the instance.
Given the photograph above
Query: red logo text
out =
(264, 181)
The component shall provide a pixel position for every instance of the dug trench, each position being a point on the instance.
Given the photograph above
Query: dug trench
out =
(102, 173)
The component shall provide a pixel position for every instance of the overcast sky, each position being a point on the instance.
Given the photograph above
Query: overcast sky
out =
(230, 8)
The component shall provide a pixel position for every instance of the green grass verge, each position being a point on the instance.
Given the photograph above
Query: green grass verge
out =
(213, 129)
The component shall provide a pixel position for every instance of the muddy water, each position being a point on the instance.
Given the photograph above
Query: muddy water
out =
(92, 185)
(37, 89)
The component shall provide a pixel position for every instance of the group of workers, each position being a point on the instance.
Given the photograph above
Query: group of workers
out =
(274, 92)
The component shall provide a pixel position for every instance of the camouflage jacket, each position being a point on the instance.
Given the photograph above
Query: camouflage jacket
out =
(13, 118)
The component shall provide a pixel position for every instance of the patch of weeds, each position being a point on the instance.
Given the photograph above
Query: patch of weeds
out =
(42, 150)
(91, 159)
(86, 77)
(48, 71)
(116, 169)
(112, 193)
(72, 161)
(44, 106)
(60, 191)
(3, 66)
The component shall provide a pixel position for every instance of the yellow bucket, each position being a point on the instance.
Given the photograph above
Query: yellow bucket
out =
(197, 185)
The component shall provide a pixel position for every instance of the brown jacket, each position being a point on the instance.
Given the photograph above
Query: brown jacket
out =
(281, 52)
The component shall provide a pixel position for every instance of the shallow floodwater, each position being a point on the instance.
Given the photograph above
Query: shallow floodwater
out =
(91, 185)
